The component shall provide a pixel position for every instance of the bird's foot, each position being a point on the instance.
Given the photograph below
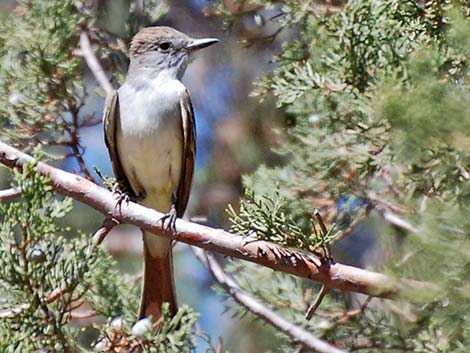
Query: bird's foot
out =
(123, 196)
(169, 220)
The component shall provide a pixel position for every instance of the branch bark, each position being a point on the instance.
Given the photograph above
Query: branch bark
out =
(334, 275)
(297, 333)
(9, 194)
(94, 64)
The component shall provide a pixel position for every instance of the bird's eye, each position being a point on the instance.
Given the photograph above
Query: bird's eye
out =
(164, 46)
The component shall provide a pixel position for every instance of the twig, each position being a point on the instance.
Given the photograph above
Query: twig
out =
(399, 222)
(11, 313)
(316, 303)
(336, 275)
(388, 214)
(100, 234)
(324, 232)
(267, 38)
(77, 149)
(354, 313)
(382, 202)
(9, 194)
(343, 317)
(298, 334)
(382, 347)
(328, 9)
(94, 64)
(81, 316)
(100, 76)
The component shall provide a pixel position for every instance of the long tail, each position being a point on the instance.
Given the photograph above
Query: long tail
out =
(158, 285)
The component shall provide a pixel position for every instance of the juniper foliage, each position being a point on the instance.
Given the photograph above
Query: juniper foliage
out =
(378, 92)
(48, 271)
(41, 78)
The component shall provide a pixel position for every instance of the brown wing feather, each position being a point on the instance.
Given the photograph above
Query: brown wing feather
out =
(110, 119)
(189, 154)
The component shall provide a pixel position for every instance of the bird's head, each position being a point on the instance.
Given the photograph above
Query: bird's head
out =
(164, 49)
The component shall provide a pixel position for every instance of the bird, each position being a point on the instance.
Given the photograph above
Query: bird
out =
(150, 134)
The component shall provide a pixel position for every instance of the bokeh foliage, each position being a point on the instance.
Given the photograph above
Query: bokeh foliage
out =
(378, 93)
(41, 78)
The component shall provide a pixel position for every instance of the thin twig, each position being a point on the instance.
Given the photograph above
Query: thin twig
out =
(9, 194)
(382, 347)
(334, 275)
(94, 64)
(343, 317)
(324, 232)
(77, 149)
(316, 303)
(81, 316)
(298, 334)
(354, 313)
(100, 234)
(381, 202)
(387, 211)
(399, 222)
(11, 313)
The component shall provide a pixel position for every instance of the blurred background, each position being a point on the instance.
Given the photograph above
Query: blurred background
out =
(235, 135)
(365, 94)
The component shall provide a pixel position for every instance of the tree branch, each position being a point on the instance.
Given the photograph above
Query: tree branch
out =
(94, 64)
(77, 149)
(332, 275)
(390, 215)
(298, 334)
(9, 194)
(11, 313)
(399, 222)
(316, 303)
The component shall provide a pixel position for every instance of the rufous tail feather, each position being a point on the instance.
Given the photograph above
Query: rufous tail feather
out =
(158, 284)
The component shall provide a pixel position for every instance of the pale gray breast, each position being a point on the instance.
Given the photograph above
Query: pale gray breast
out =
(149, 139)
(147, 108)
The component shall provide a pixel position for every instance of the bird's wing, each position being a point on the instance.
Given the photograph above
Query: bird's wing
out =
(189, 153)
(110, 121)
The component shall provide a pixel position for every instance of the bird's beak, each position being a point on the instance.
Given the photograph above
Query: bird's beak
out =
(197, 44)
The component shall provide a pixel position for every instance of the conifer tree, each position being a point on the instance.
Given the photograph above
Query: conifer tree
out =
(376, 140)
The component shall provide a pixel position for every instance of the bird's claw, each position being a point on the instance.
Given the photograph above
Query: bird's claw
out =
(121, 197)
(169, 221)
(126, 197)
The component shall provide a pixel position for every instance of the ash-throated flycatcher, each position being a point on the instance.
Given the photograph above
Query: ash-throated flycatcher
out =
(150, 134)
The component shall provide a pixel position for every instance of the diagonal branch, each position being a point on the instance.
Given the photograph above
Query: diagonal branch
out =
(297, 333)
(94, 64)
(9, 194)
(11, 313)
(334, 275)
